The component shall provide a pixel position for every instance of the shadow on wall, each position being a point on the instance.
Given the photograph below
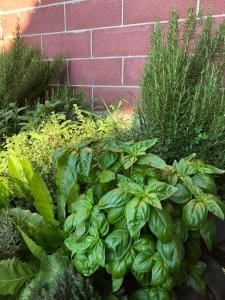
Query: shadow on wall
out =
(44, 27)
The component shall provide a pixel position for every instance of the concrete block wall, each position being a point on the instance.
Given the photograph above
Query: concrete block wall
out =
(105, 42)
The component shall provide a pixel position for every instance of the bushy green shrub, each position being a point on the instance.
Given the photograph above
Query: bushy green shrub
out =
(183, 95)
(25, 74)
(122, 209)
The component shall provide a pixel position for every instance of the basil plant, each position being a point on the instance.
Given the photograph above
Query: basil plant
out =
(121, 208)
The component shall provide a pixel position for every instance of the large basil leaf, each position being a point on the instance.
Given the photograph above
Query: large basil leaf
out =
(143, 262)
(137, 214)
(66, 178)
(115, 214)
(180, 230)
(99, 253)
(172, 253)
(85, 264)
(161, 189)
(107, 159)
(70, 223)
(87, 243)
(114, 198)
(117, 268)
(153, 200)
(118, 243)
(195, 278)
(211, 203)
(81, 231)
(205, 182)
(145, 243)
(106, 176)
(139, 148)
(153, 161)
(85, 161)
(208, 231)
(194, 214)
(13, 275)
(116, 284)
(182, 195)
(129, 186)
(161, 225)
(150, 294)
(160, 270)
(82, 208)
(99, 221)
(127, 161)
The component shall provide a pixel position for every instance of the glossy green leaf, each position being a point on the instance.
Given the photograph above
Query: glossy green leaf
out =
(153, 161)
(70, 223)
(99, 253)
(161, 224)
(127, 161)
(139, 148)
(27, 168)
(160, 271)
(197, 283)
(117, 268)
(106, 176)
(129, 186)
(211, 203)
(145, 243)
(182, 195)
(115, 214)
(153, 200)
(13, 275)
(137, 214)
(172, 253)
(43, 200)
(208, 232)
(85, 263)
(116, 284)
(194, 214)
(205, 182)
(161, 189)
(143, 262)
(87, 243)
(107, 159)
(82, 208)
(99, 221)
(114, 198)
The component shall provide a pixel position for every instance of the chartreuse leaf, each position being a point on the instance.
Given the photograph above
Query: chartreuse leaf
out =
(137, 214)
(114, 198)
(27, 168)
(194, 214)
(139, 148)
(161, 189)
(4, 192)
(116, 284)
(161, 225)
(127, 161)
(208, 231)
(13, 275)
(129, 186)
(172, 253)
(43, 200)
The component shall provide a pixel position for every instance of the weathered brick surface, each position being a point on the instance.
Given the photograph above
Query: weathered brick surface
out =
(105, 41)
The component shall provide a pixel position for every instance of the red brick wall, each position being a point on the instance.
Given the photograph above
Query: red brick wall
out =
(105, 42)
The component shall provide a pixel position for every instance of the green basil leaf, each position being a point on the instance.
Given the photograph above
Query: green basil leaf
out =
(113, 145)
(180, 230)
(139, 148)
(82, 208)
(99, 221)
(205, 182)
(161, 225)
(85, 161)
(106, 176)
(129, 186)
(137, 214)
(99, 253)
(85, 263)
(168, 284)
(140, 294)
(198, 268)
(114, 198)
(115, 214)
(107, 159)
(208, 232)
(143, 262)
(127, 161)
(80, 231)
(153, 161)
(117, 268)
(118, 243)
(87, 243)
(182, 195)
(153, 200)
(160, 270)
(194, 214)
(70, 223)
(210, 201)
(145, 243)
(116, 284)
(161, 189)
(172, 253)
(158, 294)
(197, 283)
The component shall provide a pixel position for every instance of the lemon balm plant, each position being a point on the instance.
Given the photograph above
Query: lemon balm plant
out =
(119, 209)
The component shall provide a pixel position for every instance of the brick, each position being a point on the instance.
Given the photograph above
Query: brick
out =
(17, 4)
(113, 95)
(71, 45)
(93, 13)
(142, 11)
(133, 69)
(42, 20)
(95, 71)
(33, 40)
(121, 41)
(216, 7)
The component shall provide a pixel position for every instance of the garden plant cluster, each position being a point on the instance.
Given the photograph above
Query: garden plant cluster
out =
(93, 208)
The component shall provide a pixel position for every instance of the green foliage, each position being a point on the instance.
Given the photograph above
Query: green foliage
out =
(183, 98)
(133, 222)
(25, 75)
